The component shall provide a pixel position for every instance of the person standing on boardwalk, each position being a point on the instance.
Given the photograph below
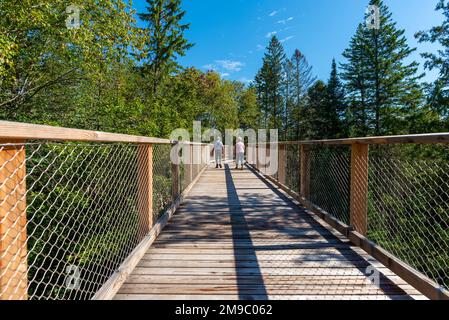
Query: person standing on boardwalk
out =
(240, 153)
(218, 149)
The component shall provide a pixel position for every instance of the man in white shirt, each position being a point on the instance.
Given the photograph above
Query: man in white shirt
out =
(218, 149)
(240, 153)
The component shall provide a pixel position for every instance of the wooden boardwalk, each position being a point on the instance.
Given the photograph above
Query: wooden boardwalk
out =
(237, 237)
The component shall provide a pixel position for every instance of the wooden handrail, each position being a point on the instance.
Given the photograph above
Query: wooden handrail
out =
(13, 212)
(428, 138)
(10, 131)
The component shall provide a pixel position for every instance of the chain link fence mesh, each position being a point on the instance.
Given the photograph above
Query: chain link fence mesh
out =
(162, 180)
(292, 177)
(330, 179)
(408, 197)
(69, 214)
(408, 205)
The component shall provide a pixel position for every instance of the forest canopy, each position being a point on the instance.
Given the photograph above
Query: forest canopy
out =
(111, 74)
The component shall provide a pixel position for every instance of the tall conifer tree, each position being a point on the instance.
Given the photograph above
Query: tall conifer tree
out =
(439, 94)
(379, 81)
(164, 39)
(335, 101)
(269, 81)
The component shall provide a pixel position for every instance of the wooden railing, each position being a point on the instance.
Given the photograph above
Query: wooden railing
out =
(76, 199)
(388, 195)
(108, 180)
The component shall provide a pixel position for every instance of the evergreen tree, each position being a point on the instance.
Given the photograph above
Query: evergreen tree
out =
(164, 39)
(288, 100)
(302, 80)
(261, 84)
(269, 82)
(315, 116)
(439, 94)
(355, 74)
(381, 85)
(335, 105)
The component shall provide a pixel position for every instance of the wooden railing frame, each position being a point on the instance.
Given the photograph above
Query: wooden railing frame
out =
(16, 134)
(114, 283)
(428, 138)
(13, 136)
(13, 237)
(357, 230)
(13, 131)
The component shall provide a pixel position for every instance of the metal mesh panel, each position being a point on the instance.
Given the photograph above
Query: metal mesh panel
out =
(81, 214)
(330, 179)
(162, 180)
(274, 173)
(292, 167)
(407, 197)
(190, 169)
(408, 205)
(71, 213)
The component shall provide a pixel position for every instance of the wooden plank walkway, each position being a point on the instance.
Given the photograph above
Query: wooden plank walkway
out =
(237, 237)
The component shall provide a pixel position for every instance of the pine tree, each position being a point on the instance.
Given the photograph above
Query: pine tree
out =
(261, 84)
(380, 84)
(439, 95)
(288, 99)
(302, 80)
(315, 116)
(355, 74)
(164, 39)
(335, 105)
(269, 82)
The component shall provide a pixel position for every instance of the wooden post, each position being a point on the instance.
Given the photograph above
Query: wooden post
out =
(175, 174)
(281, 163)
(359, 188)
(145, 187)
(304, 172)
(13, 220)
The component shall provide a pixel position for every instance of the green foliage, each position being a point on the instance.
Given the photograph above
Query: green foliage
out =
(39, 51)
(269, 84)
(335, 111)
(439, 95)
(324, 116)
(381, 85)
(248, 110)
(163, 39)
(379, 94)
(89, 78)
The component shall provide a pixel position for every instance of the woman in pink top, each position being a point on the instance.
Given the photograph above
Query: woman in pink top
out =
(240, 152)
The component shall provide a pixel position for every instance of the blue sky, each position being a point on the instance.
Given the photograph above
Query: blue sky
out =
(230, 36)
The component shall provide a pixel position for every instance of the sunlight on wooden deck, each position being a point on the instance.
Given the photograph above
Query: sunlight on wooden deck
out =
(237, 237)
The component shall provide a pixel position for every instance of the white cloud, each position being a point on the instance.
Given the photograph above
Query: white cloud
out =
(229, 65)
(272, 14)
(209, 67)
(285, 20)
(286, 39)
(270, 34)
(224, 67)
(245, 80)
(260, 47)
